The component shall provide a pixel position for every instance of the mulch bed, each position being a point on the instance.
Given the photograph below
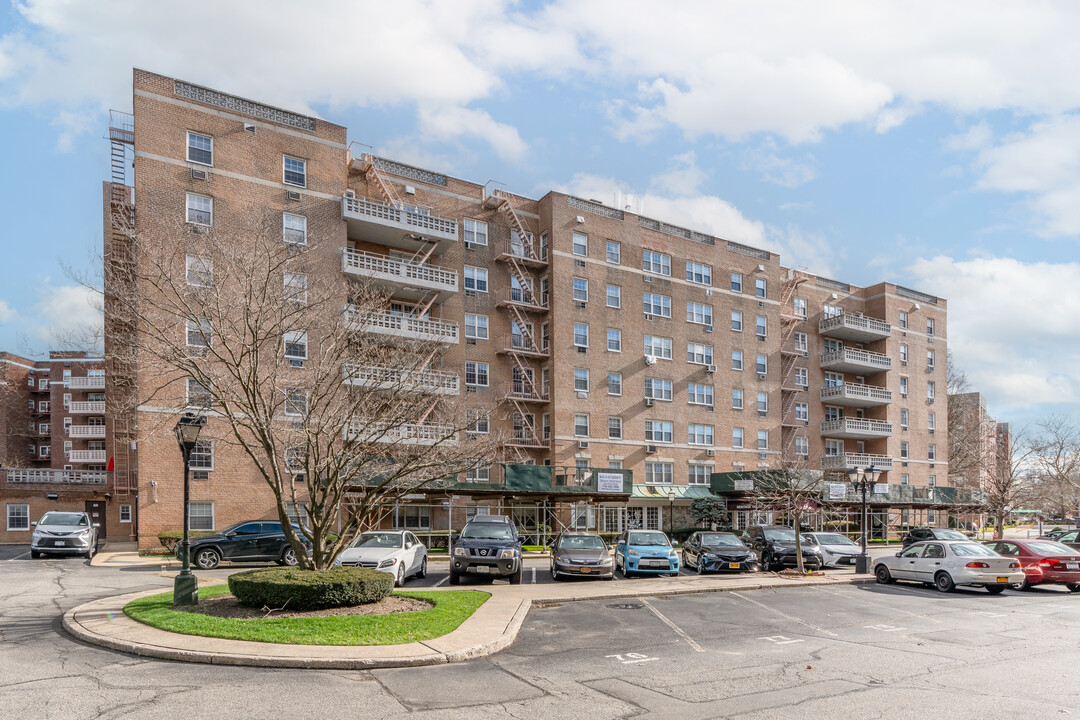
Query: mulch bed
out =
(227, 606)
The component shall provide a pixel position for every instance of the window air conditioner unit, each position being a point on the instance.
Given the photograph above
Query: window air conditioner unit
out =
(293, 195)
(579, 263)
(710, 408)
(648, 279)
(649, 402)
(469, 245)
(470, 388)
(350, 193)
(197, 174)
(650, 360)
(583, 444)
(762, 413)
(710, 453)
(710, 369)
(805, 422)
(580, 219)
(761, 268)
(761, 303)
(761, 376)
(763, 455)
(708, 328)
(648, 316)
(582, 350)
(582, 395)
(580, 304)
(761, 338)
(651, 449)
(470, 341)
(248, 127)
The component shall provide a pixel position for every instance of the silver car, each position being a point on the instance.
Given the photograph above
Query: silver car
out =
(836, 549)
(64, 533)
(948, 563)
(396, 552)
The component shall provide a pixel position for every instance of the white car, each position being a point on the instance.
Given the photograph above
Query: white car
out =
(64, 533)
(948, 563)
(836, 549)
(397, 552)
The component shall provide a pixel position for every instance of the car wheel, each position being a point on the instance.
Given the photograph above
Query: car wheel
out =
(207, 558)
(422, 572)
(554, 575)
(766, 562)
(515, 579)
(399, 578)
(91, 550)
(1073, 587)
(35, 554)
(995, 589)
(700, 565)
(1021, 585)
(455, 579)
(883, 575)
(944, 582)
(288, 557)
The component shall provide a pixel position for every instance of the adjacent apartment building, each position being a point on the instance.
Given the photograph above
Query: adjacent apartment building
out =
(612, 341)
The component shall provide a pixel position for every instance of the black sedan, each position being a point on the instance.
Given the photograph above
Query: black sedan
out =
(244, 542)
(718, 552)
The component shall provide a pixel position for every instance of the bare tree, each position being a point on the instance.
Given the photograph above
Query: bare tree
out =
(1009, 479)
(1057, 457)
(969, 430)
(791, 489)
(335, 403)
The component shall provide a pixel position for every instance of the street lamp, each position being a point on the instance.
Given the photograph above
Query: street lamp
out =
(671, 511)
(186, 585)
(863, 479)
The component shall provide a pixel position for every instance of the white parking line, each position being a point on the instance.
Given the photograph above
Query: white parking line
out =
(534, 576)
(779, 639)
(19, 557)
(783, 614)
(864, 601)
(673, 626)
(441, 581)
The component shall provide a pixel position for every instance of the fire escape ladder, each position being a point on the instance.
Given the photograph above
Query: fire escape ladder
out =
(370, 167)
(430, 409)
(525, 238)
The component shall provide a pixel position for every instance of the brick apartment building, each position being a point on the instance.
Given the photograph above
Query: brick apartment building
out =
(52, 443)
(615, 342)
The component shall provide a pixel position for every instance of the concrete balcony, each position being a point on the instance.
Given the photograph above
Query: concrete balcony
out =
(87, 456)
(26, 476)
(400, 226)
(856, 428)
(524, 300)
(92, 407)
(854, 328)
(96, 382)
(418, 381)
(86, 431)
(854, 395)
(850, 360)
(401, 278)
(402, 326)
(848, 461)
(405, 434)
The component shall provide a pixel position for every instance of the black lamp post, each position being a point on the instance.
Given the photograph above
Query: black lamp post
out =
(671, 512)
(186, 585)
(863, 479)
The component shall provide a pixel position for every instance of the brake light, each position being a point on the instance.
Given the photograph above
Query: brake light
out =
(1013, 565)
(1046, 562)
(977, 565)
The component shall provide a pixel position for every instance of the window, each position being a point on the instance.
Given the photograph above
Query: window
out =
(478, 422)
(736, 282)
(903, 353)
(658, 347)
(521, 291)
(699, 434)
(294, 228)
(476, 326)
(931, 481)
(44, 451)
(833, 413)
(296, 345)
(200, 272)
(18, 516)
(614, 428)
(736, 321)
(831, 311)
(581, 290)
(125, 513)
(295, 287)
(476, 374)
(197, 395)
(800, 343)
(294, 171)
(296, 402)
(930, 326)
(614, 252)
(699, 354)
(903, 449)
(698, 313)
(761, 326)
(199, 333)
(659, 473)
(202, 455)
(930, 391)
(581, 334)
(698, 273)
(200, 516)
(476, 279)
(802, 445)
(762, 439)
(800, 307)
(697, 394)
(658, 389)
(545, 337)
(904, 479)
(802, 411)
(759, 287)
(736, 359)
(472, 475)
(903, 418)
(762, 402)
(581, 425)
(762, 364)
(614, 296)
(736, 437)
(545, 427)
(475, 232)
(903, 320)
(657, 305)
(200, 148)
(614, 340)
(931, 421)
(200, 209)
(931, 452)
(930, 359)
(737, 399)
(658, 431)
(581, 380)
(581, 244)
(614, 384)
(656, 263)
(903, 387)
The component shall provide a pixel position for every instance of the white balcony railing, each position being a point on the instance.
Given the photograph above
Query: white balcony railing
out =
(406, 433)
(405, 218)
(403, 326)
(94, 382)
(854, 360)
(64, 477)
(855, 394)
(854, 327)
(381, 267)
(847, 461)
(90, 407)
(855, 427)
(86, 431)
(94, 456)
(420, 381)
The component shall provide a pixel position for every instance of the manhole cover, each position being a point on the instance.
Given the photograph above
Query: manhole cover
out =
(625, 606)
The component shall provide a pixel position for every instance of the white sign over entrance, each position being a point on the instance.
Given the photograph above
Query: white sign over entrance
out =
(837, 491)
(881, 488)
(744, 485)
(609, 482)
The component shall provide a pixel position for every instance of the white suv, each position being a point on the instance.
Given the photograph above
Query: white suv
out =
(64, 533)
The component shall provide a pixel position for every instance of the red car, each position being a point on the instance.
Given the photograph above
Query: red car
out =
(1043, 561)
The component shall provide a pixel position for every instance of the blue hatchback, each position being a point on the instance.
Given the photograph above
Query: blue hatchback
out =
(645, 551)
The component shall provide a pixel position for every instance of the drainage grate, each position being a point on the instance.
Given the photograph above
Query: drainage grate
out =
(626, 606)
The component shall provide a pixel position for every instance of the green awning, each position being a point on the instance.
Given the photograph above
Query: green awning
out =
(660, 492)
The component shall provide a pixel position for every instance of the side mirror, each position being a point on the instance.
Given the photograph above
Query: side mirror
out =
(34, 523)
(97, 524)
(408, 546)
(898, 554)
(454, 537)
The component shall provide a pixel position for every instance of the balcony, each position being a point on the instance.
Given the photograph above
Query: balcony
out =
(848, 461)
(857, 428)
(525, 300)
(59, 477)
(850, 360)
(418, 381)
(526, 439)
(86, 431)
(400, 226)
(404, 434)
(402, 326)
(93, 382)
(520, 345)
(92, 407)
(87, 456)
(854, 395)
(523, 392)
(525, 251)
(401, 278)
(854, 328)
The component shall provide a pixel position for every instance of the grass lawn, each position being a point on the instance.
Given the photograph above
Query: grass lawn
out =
(452, 607)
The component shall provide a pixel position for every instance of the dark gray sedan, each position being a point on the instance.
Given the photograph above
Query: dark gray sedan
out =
(718, 552)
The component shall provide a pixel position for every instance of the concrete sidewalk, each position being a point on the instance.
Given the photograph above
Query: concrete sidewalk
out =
(493, 627)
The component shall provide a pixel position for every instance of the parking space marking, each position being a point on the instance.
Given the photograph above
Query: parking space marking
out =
(441, 581)
(864, 601)
(986, 613)
(534, 576)
(779, 639)
(783, 614)
(632, 658)
(689, 640)
(885, 628)
(19, 557)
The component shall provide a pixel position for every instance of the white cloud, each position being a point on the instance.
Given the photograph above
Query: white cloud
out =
(6, 312)
(800, 249)
(449, 122)
(67, 314)
(782, 171)
(976, 137)
(684, 177)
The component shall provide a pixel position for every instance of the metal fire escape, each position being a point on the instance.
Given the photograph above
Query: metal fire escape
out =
(790, 391)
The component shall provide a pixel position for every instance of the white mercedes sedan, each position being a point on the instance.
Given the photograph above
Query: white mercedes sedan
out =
(948, 563)
(397, 552)
(836, 549)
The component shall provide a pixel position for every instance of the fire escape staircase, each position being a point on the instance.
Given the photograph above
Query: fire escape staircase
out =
(790, 391)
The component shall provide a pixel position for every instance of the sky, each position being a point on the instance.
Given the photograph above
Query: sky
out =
(934, 145)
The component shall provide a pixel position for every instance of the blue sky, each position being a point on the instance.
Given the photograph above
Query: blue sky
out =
(936, 145)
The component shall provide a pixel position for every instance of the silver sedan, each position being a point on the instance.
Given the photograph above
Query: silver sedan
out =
(948, 563)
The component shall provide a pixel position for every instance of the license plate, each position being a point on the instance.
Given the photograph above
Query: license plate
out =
(733, 565)
(59, 543)
(586, 570)
(1003, 579)
(656, 563)
(482, 569)
(1072, 566)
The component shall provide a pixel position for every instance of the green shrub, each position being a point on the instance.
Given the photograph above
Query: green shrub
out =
(609, 537)
(169, 539)
(301, 590)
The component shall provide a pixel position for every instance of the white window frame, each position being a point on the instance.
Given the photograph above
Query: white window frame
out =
(699, 313)
(203, 136)
(476, 326)
(190, 207)
(653, 342)
(738, 438)
(198, 271)
(617, 377)
(802, 445)
(616, 296)
(698, 473)
(475, 278)
(478, 371)
(475, 231)
(296, 402)
(699, 434)
(579, 242)
(189, 396)
(655, 263)
(698, 273)
(581, 289)
(581, 335)
(699, 394)
(761, 326)
(203, 331)
(615, 428)
(656, 304)
(738, 401)
(659, 389)
(478, 474)
(736, 282)
(614, 341)
(294, 287)
(18, 516)
(581, 380)
(736, 321)
(202, 455)
(694, 357)
(581, 421)
(295, 338)
(124, 513)
(201, 505)
(736, 360)
(762, 439)
(617, 254)
(294, 228)
(659, 431)
(285, 171)
(659, 473)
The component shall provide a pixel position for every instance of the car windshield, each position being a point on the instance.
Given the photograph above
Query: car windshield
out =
(949, 535)
(720, 539)
(972, 550)
(781, 534)
(833, 539)
(64, 518)
(648, 538)
(487, 531)
(382, 540)
(581, 542)
(1050, 548)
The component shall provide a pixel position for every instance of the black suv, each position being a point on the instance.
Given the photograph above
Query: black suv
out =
(255, 540)
(489, 546)
(775, 545)
(919, 534)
